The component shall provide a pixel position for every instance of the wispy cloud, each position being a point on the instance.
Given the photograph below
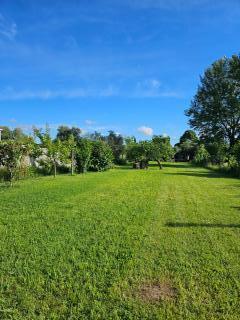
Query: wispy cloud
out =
(8, 28)
(153, 88)
(89, 122)
(147, 131)
(12, 94)
(146, 89)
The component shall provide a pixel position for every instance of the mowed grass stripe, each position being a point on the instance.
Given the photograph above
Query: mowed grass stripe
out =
(87, 243)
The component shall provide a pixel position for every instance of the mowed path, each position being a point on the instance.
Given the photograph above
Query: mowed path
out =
(123, 244)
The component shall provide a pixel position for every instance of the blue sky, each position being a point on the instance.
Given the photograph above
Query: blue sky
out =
(127, 65)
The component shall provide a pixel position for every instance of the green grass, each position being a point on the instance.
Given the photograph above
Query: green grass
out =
(81, 247)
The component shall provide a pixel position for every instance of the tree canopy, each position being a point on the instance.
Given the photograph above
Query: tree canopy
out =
(215, 109)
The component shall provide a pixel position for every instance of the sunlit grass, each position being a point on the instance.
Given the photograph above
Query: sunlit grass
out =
(81, 247)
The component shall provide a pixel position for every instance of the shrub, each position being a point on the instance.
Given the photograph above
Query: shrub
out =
(202, 156)
(11, 155)
(217, 151)
(101, 156)
(83, 155)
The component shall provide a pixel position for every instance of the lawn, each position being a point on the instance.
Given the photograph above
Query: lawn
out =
(123, 244)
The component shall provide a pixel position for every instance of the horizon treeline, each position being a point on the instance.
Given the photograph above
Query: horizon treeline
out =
(214, 114)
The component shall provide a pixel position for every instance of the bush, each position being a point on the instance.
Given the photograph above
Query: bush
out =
(101, 156)
(83, 155)
(3, 174)
(202, 156)
(11, 158)
(217, 151)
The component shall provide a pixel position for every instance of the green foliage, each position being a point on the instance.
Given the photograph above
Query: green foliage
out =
(6, 133)
(161, 149)
(64, 133)
(218, 152)
(11, 155)
(215, 109)
(202, 156)
(116, 143)
(53, 150)
(134, 151)
(15, 134)
(188, 135)
(236, 152)
(101, 156)
(139, 153)
(83, 155)
(186, 149)
(3, 174)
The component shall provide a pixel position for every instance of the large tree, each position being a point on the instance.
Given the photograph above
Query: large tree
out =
(64, 133)
(215, 109)
(186, 149)
(116, 143)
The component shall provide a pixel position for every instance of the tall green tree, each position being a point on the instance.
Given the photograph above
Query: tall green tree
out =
(187, 146)
(83, 154)
(64, 133)
(116, 142)
(215, 109)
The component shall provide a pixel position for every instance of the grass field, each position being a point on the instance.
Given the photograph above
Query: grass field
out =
(122, 244)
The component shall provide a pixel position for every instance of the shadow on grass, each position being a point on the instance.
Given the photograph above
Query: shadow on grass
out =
(198, 174)
(204, 225)
(124, 167)
(5, 186)
(235, 207)
(180, 165)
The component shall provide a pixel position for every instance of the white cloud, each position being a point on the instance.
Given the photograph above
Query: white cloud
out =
(145, 130)
(8, 28)
(89, 122)
(155, 84)
(152, 88)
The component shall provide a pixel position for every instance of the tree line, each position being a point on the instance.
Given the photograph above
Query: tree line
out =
(214, 116)
(70, 151)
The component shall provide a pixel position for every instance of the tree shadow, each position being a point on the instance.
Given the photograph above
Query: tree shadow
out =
(198, 174)
(197, 225)
(123, 167)
(235, 207)
(181, 165)
(5, 185)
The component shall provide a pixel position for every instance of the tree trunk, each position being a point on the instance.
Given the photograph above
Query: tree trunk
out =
(54, 169)
(159, 164)
(11, 178)
(72, 163)
(232, 141)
